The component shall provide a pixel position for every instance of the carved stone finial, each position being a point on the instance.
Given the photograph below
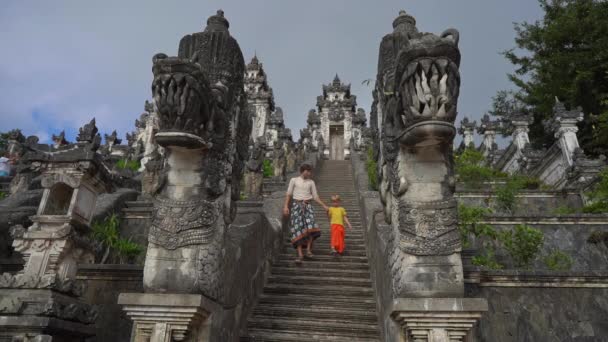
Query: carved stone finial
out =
(113, 139)
(336, 80)
(59, 140)
(217, 22)
(87, 132)
(405, 21)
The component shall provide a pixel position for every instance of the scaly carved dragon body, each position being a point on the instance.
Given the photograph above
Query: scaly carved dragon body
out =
(204, 127)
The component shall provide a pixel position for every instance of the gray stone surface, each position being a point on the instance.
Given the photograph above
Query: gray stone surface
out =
(543, 314)
(104, 284)
(418, 81)
(569, 234)
(528, 202)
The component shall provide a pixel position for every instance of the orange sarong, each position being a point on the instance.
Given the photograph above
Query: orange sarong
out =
(337, 237)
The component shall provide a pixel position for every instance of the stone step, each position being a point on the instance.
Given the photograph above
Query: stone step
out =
(355, 259)
(335, 263)
(326, 298)
(263, 335)
(321, 272)
(337, 313)
(139, 204)
(320, 243)
(358, 303)
(318, 327)
(325, 251)
(315, 280)
(321, 291)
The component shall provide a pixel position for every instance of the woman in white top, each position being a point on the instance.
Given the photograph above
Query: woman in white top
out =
(302, 224)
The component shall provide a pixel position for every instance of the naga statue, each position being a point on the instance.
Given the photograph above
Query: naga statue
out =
(417, 90)
(204, 127)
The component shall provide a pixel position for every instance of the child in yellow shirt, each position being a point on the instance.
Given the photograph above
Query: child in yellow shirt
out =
(337, 217)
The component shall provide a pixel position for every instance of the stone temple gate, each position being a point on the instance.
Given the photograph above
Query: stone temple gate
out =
(337, 122)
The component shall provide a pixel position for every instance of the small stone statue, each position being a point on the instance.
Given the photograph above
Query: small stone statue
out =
(253, 171)
(279, 162)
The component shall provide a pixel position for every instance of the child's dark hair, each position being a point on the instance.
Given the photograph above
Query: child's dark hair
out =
(305, 167)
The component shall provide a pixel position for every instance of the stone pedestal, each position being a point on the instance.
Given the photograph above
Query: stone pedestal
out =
(168, 317)
(44, 315)
(437, 319)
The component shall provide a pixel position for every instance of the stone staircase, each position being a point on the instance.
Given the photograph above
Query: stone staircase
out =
(327, 298)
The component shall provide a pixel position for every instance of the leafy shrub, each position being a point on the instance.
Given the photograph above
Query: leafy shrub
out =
(468, 223)
(596, 208)
(598, 237)
(523, 244)
(3, 195)
(127, 250)
(506, 194)
(470, 169)
(106, 233)
(132, 165)
(267, 168)
(558, 261)
(563, 210)
(599, 196)
(372, 169)
(487, 259)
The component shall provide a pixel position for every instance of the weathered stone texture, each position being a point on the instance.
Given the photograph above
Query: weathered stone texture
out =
(542, 314)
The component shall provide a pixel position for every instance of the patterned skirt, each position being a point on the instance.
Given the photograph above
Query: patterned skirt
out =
(302, 223)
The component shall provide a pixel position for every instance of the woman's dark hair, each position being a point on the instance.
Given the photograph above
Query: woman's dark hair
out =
(305, 167)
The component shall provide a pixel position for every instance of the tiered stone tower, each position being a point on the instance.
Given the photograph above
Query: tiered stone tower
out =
(260, 97)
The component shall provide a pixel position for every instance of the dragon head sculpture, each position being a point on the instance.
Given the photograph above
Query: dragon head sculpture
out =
(419, 82)
(204, 125)
(415, 106)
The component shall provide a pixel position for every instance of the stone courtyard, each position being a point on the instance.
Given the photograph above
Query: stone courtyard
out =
(176, 233)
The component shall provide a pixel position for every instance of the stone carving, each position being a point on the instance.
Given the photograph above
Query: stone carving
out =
(57, 242)
(87, 135)
(336, 115)
(204, 127)
(259, 96)
(279, 162)
(488, 128)
(417, 87)
(290, 164)
(584, 170)
(320, 144)
(253, 173)
(112, 139)
(59, 140)
(466, 129)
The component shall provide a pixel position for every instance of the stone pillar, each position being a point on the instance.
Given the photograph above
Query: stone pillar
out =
(564, 125)
(520, 125)
(168, 317)
(467, 129)
(488, 129)
(437, 319)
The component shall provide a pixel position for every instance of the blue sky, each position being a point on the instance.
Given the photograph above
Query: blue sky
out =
(64, 62)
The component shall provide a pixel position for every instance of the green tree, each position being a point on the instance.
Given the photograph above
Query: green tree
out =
(565, 55)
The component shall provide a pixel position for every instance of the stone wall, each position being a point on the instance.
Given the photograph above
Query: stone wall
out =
(252, 240)
(532, 305)
(528, 202)
(378, 238)
(542, 314)
(104, 284)
(567, 233)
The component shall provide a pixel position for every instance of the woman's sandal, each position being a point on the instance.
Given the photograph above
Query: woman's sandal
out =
(299, 260)
(309, 255)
